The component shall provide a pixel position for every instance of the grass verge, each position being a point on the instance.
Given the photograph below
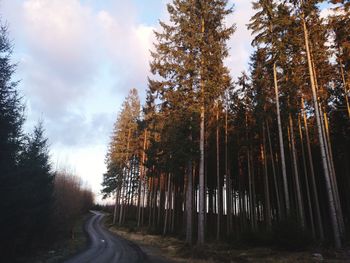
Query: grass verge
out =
(176, 250)
(64, 248)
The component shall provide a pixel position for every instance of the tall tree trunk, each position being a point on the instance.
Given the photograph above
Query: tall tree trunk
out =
(274, 170)
(174, 198)
(333, 176)
(167, 206)
(266, 182)
(251, 194)
(306, 179)
(141, 180)
(296, 175)
(122, 203)
(189, 203)
(228, 180)
(115, 212)
(332, 209)
(219, 189)
(201, 216)
(312, 175)
(161, 187)
(150, 201)
(344, 83)
(328, 149)
(280, 137)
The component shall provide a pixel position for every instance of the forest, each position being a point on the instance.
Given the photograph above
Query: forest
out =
(263, 157)
(39, 205)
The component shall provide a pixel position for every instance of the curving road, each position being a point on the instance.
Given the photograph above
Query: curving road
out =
(106, 247)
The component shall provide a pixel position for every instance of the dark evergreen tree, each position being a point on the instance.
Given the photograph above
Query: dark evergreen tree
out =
(35, 189)
(11, 120)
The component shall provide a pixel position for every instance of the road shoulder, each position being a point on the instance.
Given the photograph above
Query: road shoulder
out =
(174, 250)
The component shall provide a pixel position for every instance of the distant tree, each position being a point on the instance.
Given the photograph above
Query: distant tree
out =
(71, 200)
(123, 148)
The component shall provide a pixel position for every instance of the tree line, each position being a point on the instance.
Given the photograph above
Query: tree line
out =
(38, 205)
(208, 157)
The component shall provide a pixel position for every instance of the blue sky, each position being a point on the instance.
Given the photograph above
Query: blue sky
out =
(77, 60)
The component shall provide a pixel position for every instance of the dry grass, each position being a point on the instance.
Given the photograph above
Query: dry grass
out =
(64, 248)
(176, 251)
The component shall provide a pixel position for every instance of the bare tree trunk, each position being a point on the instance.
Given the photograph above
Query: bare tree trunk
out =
(150, 201)
(328, 149)
(332, 209)
(155, 201)
(312, 175)
(273, 170)
(167, 207)
(201, 216)
(251, 197)
(306, 179)
(344, 83)
(115, 212)
(144, 199)
(161, 186)
(280, 136)
(189, 203)
(333, 176)
(296, 175)
(228, 180)
(122, 202)
(141, 180)
(173, 198)
(219, 189)
(266, 182)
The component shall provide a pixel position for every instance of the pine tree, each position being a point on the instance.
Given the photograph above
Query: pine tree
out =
(122, 156)
(189, 59)
(265, 25)
(36, 187)
(11, 136)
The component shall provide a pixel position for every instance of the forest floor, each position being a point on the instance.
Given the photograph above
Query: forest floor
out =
(63, 248)
(175, 250)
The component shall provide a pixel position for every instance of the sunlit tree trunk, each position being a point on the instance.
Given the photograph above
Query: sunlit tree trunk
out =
(332, 172)
(345, 84)
(201, 216)
(306, 179)
(142, 176)
(280, 137)
(329, 155)
(312, 175)
(332, 209)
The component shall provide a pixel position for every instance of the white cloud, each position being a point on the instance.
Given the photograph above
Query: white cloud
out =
(128, 47)
(240, 48)
(77, 63)
(79, 58)
(65, 44)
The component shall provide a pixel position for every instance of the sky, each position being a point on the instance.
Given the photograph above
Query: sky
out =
(77, 60)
